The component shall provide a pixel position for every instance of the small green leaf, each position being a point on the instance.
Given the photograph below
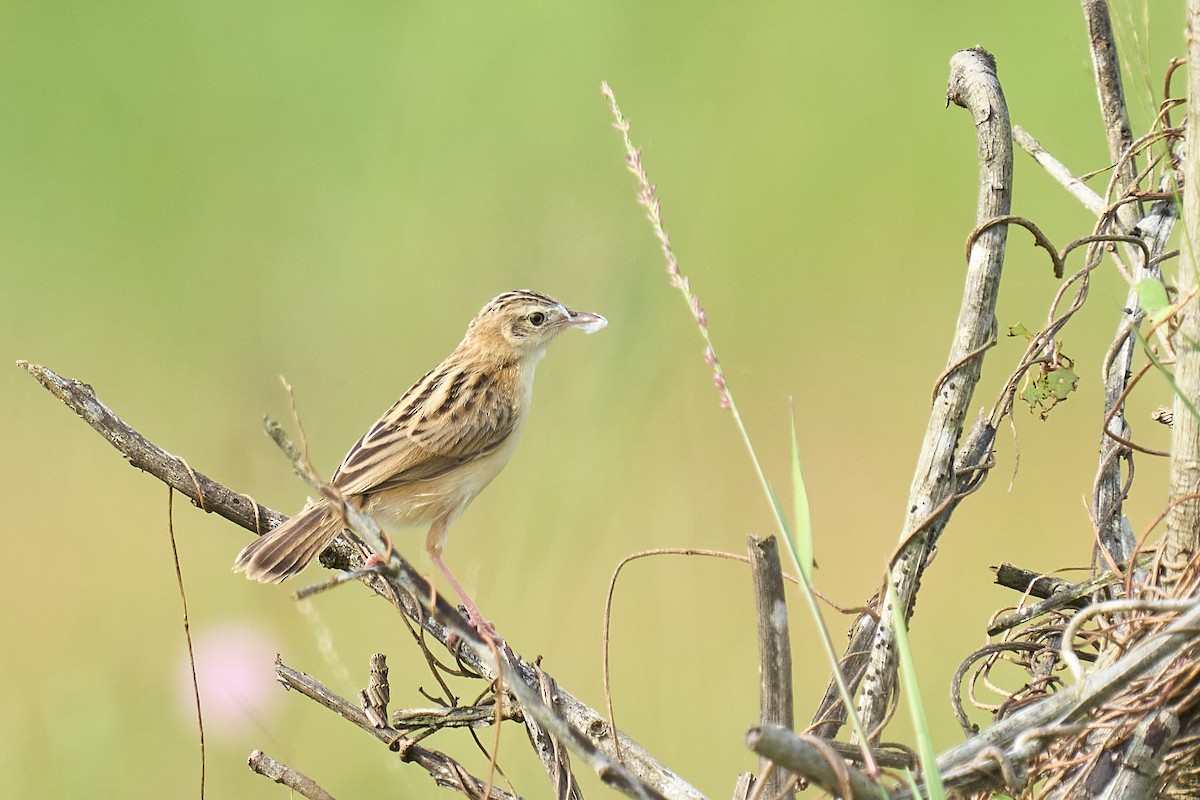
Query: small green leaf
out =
(1062, 382)
(1031, 394)
(1153, 297)
(1049, 385)
(1020, 330)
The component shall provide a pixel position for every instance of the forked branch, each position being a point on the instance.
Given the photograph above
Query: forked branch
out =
(567, 720)
(974, 86)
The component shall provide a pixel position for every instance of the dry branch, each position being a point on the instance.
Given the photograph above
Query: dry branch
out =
(553, 754)
(814, 760)
(1058, 594)
(1023, 736)
(1110, 485)
(140, 452)
(774, 649)
(1057, 170)
(570, 721)
(444, 770)
(1029, 582)
(973, 85)
(1183, 521)
(281, 773)
(1107, 70)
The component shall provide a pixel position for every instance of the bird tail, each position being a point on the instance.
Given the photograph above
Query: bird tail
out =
(289, 548)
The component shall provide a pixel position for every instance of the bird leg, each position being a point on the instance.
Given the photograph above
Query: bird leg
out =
(433, 544)
(375, 559)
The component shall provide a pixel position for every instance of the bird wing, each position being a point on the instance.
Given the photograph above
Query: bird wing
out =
(452, 416)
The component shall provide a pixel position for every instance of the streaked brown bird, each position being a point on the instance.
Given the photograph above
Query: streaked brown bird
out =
(444, 440)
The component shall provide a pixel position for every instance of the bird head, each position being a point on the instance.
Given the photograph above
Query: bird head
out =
(524, 322)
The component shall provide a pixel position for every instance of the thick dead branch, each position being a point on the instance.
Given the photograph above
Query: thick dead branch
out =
(573, 723)
(1183, 521)
(888, 755)
(774, 649)
(1138, 769)
(974, 86)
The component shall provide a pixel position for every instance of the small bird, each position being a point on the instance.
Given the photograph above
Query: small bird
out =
(442, 442)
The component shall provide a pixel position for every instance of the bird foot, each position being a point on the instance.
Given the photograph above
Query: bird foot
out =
(485, 629)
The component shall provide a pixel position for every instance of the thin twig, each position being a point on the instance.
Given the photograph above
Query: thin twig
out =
(281, 773)
(1057, 170)
(187, 634)
(445, 771)
(608, 603)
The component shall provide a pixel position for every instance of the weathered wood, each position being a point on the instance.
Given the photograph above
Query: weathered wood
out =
(974, 86)
(774, 649)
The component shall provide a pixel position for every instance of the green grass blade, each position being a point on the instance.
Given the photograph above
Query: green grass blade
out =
(801, 532)
(916, 709)
(783, 523)
(911, 780)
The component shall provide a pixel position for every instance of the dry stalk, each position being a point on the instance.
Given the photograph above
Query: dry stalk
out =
(1183, 523)
(974, 86)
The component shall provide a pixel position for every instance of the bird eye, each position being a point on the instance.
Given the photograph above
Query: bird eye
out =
(536, 319)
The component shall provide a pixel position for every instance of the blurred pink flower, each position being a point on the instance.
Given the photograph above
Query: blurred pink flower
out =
(235, 669)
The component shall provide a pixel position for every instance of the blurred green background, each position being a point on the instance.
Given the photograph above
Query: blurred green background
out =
(197, 198)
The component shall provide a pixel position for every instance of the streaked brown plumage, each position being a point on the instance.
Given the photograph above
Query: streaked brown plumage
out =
(439, 445)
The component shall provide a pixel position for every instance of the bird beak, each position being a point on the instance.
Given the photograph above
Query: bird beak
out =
(585, 321)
